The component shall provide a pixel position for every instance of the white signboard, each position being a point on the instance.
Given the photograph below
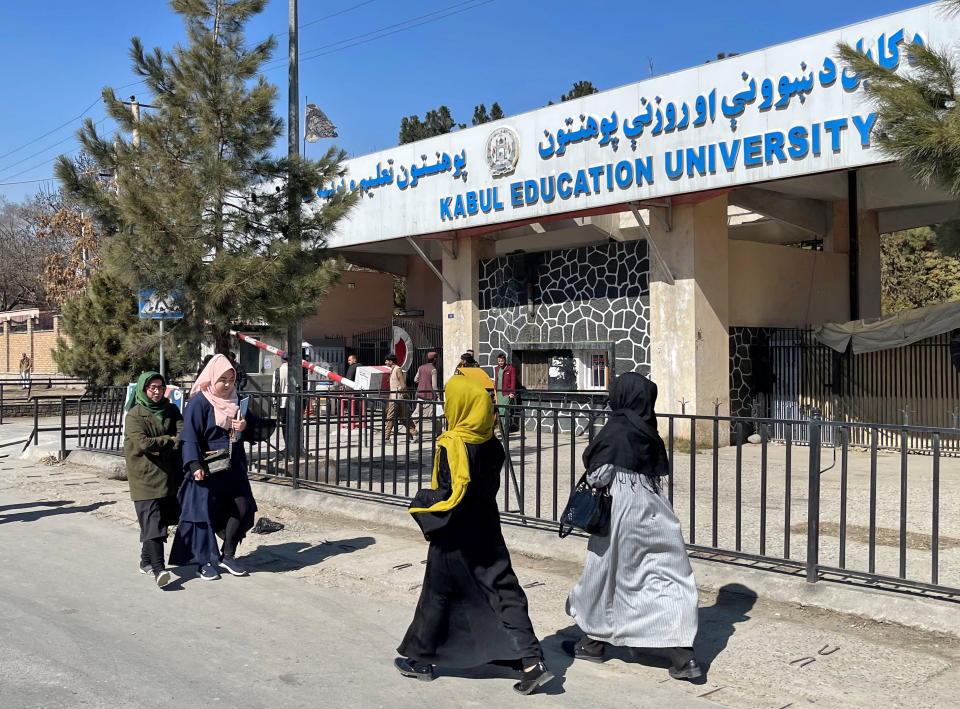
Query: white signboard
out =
(781, 112)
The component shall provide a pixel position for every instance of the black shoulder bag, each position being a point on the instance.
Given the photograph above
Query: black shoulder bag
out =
(588, 509)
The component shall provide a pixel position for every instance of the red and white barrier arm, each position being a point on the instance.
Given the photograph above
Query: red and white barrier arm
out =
(333, 376)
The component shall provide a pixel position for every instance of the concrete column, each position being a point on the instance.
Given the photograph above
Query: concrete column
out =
(869, 265)
(461, 311)
(837, 238)
(690, 357)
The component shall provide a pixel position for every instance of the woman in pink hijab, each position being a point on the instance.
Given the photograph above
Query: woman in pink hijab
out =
(214, 502)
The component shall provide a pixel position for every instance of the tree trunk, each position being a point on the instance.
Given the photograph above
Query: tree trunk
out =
(222, 341)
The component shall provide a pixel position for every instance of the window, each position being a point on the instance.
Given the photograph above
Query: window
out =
(591, 370)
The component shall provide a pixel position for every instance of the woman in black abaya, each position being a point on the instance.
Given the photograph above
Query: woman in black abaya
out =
(472, 610)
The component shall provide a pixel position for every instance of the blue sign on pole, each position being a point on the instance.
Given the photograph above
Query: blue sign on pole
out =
(158, 307)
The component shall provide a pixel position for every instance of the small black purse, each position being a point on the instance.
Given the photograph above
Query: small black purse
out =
(588, 509)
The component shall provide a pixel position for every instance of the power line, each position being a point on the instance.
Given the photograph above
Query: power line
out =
(65, 123)
(49, 160)
(339, 12)
(142, 81)
(382, 31)
(28, 182)
(314, 53)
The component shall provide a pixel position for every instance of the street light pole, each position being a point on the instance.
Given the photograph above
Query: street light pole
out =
(294, 336)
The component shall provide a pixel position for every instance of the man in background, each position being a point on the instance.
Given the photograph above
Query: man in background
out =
(505, 388)
(426, 381)
(26, 366)
(397, 410)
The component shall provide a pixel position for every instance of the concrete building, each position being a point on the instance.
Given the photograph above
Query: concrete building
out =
(648, 227)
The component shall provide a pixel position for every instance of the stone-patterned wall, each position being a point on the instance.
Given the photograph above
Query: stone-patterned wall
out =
(594, 294)
(747, 374)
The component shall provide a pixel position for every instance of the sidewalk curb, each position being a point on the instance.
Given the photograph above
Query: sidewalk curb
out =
(111, 467)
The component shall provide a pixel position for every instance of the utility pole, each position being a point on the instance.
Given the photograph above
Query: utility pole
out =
(294, 336)
(135, 110)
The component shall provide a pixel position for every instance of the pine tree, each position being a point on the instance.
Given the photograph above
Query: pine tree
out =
(480, 115)
(108, 343)
(197, 202)
(578, 90)
(918, 120)
(436, 122)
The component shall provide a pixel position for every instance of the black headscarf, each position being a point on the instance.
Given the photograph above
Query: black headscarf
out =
(630, 439)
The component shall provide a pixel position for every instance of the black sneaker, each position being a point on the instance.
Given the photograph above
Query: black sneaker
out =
(533, 679)
(233, 566)
(208, 572)
(163, 577)
(575, 650)
(145, 567)
(413, 669)
(689, 670)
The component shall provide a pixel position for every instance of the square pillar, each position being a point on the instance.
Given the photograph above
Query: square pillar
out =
(461, 311)
(869, 233)
(689, 320)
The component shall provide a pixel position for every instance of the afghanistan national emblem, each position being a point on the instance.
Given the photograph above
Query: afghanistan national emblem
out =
(503, 151)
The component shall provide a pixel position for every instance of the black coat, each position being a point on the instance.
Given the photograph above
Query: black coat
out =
(471, 609)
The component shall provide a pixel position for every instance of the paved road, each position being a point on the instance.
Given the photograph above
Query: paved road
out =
(80, 627)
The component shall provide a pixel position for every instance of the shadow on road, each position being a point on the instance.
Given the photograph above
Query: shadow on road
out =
(718, 622)
(40, 514)
(291, 556)
(54, 503)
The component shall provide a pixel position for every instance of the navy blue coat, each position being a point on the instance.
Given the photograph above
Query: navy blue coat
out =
(205, 505)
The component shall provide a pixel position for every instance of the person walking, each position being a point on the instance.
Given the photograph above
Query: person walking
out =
(242, 378)
(351, 405)
(397, 409)
(472, 610)
(505, 388)
(426, 381)
(281, 386)
(637, 588)
(26, 366)
(151, 449)
(215, 502)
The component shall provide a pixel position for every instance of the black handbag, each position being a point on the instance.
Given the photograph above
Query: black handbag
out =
(218, 461)
(588, 510)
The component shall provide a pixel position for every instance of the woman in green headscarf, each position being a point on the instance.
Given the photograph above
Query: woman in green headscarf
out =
(151, 449)
(472, 610)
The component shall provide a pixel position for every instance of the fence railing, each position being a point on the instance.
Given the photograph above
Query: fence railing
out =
(878, 513)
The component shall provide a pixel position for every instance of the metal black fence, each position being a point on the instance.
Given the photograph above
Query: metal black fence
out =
(878, 514)
(791, 373)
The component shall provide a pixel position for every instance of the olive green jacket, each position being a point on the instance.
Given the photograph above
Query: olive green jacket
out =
(154, 466)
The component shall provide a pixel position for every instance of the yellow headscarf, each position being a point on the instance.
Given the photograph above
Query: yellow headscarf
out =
(469, 415)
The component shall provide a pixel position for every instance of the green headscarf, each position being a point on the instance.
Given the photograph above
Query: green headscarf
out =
(139, 396)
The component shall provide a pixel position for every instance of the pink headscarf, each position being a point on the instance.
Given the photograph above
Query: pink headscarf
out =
(224, 408)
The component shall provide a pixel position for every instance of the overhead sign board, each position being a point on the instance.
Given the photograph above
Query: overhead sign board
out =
(154, 306)
(786, 111)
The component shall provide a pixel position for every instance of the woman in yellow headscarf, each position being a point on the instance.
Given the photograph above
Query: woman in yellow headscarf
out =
(472, 610)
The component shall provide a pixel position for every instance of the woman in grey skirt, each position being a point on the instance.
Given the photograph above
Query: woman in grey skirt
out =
(637, 589)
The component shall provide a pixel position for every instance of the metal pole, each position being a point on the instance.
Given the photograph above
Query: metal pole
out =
(813, 498)
(853, 255)
(294, 336)
(162, 372)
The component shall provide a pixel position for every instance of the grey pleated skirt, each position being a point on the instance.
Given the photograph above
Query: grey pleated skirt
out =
(637, 588)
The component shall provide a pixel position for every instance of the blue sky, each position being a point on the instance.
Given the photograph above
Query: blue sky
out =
(59, 54)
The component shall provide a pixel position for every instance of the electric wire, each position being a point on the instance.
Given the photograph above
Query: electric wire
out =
(305, 55)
